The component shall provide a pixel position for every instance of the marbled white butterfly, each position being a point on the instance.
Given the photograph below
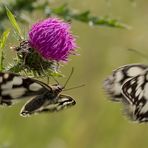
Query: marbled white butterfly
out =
(48, 98)
(129, 84)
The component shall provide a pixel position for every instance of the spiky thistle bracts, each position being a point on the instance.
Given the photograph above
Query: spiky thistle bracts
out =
(49, 42)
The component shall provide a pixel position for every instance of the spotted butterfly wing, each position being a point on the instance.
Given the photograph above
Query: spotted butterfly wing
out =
(114, 82)
(43, 103)
(136, 93)
(14, 87)
(48, 98)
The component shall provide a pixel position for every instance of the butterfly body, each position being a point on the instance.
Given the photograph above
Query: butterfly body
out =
(47, 98)
(129, 85)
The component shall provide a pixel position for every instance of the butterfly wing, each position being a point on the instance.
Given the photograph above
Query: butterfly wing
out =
(114, 82)
(45, 103)
(13, 86)
(64, 101)
(136, 93)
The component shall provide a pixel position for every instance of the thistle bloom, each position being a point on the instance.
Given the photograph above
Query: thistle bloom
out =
(52, 39)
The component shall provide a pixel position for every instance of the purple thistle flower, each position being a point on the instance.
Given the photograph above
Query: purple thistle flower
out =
(52, 39)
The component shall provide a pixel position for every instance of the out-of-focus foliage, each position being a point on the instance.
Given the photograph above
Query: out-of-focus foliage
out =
(85, 17)
(3, 39)
(63, 11)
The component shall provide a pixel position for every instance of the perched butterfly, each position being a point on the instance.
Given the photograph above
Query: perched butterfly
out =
(48, 98)
(129, 84)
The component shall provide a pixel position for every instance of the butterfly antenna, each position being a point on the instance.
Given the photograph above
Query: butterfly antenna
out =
(74, 87)
(55, 79)
(139, 53)
(68, 77)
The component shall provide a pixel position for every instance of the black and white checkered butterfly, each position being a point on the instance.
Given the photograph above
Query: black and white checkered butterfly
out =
(48, 98)
(128, 84)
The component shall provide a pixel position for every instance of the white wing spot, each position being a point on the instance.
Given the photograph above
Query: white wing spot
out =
(117, 88)
(140, 80)
(140, 104)
(17, 80)
(8, 85)
(145, 108)
(63, 99)
(132, 82)
(140, 95)
(119, 76)
(134, 71)
(52, 106)
(146, 75)
(6, 75)
(143, 119)
(15, 92)
(35, 87)
(129, 90)
(138, 91)
(145, 93)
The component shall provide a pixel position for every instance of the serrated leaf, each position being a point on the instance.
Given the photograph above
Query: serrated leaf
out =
(83, 16)
(86, 17)
(2, 45)
(14, 22)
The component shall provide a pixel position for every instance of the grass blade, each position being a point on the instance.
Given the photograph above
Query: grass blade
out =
(2, 45)
(14, 22)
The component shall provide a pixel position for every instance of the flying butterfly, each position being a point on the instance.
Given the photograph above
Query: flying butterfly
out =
(136, 92)
(47, 98)
(114, 82)
(128, 85)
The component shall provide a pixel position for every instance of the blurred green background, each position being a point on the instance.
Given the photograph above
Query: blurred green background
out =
(94, 122)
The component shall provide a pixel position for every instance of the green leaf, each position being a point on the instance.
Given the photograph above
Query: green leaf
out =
(2, 45)
(84, 16)
(62, 10)
(4, 38)
(14, 22)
